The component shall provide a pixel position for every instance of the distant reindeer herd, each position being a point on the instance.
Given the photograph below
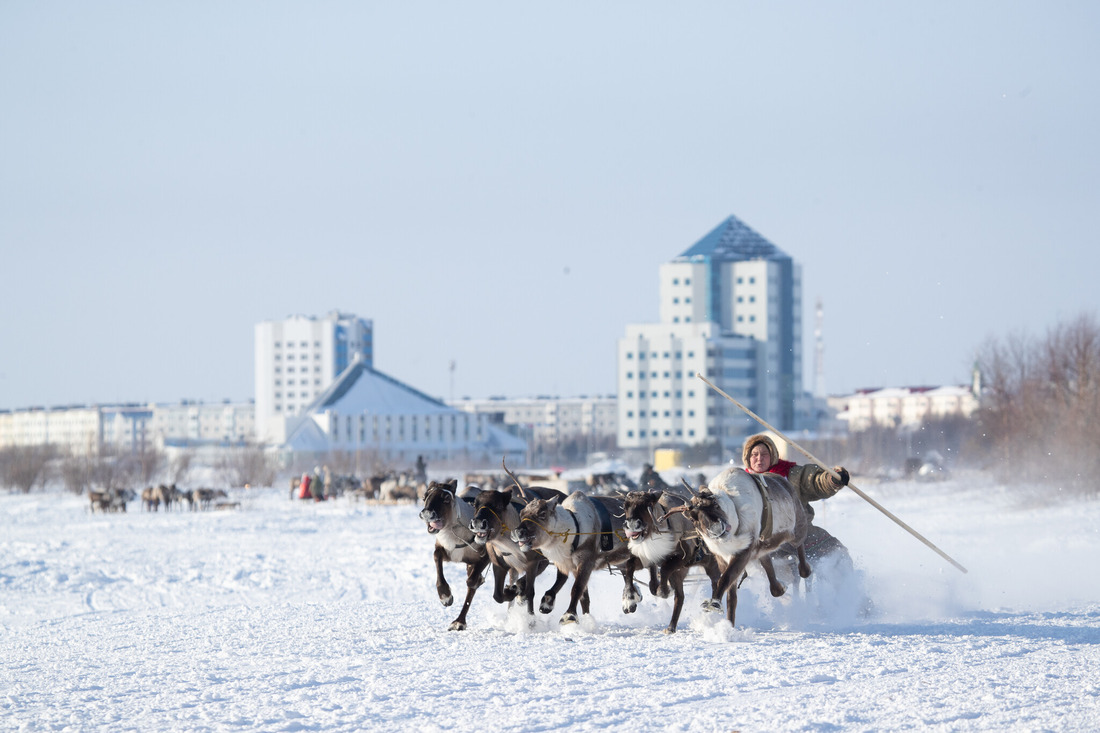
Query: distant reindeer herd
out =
(154, 497)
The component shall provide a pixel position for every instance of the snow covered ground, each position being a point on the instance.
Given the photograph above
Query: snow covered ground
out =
(287, 616)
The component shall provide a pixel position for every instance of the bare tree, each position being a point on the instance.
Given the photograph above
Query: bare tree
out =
(1040, 401)
(112, 471)
(246, 466)
(24, 467)
(76, 473)
(180, 467)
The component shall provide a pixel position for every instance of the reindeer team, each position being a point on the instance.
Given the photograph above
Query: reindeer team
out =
(737, 519)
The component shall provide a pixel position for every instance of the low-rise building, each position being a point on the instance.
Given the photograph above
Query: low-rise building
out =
(902, 407)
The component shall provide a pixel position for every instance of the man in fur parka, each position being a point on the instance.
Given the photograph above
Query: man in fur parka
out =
(811, 481)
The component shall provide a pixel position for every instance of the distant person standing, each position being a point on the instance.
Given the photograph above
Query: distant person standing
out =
(317, 484)
(421, 470)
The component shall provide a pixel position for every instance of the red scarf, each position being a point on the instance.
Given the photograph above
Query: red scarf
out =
(780, 467)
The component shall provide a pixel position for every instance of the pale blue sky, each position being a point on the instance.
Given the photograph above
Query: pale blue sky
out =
(497, 183)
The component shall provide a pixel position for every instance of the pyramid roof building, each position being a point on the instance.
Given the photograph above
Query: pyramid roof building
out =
(365, 409)
(733, 240)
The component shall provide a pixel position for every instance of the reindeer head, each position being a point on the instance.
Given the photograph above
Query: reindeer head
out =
(638, 510)
(533, 520)
(439, 504)
(489, 507)
(706, 514)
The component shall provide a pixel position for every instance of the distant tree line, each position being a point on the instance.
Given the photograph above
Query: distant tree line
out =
(1040, 415)
(24, 468)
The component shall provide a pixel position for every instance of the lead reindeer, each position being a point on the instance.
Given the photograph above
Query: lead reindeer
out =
(744, 517)
(447, 516)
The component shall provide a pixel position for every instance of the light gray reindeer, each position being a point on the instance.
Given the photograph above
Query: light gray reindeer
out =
(744, 517)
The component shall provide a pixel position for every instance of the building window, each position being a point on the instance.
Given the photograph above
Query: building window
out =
(630, 355)
(687, 300)
(630, 413)
(630, 375)
(752, 280)
(675, 281)
(687, 319)
(687, 281)
(675, 301)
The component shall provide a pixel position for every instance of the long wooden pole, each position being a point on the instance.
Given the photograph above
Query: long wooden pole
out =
(833, 473)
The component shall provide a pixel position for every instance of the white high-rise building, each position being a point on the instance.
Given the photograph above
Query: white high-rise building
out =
(730, 310)
(297, 358)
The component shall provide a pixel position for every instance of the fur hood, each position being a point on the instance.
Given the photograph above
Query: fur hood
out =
(754, 441)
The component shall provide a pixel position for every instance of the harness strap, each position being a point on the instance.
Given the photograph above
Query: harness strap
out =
(606, 538)
(766, 514)
(577, 534)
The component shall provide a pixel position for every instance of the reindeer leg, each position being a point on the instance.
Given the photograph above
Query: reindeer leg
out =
(548, 598)
(774, 585)
(441, 586)
(803, 565)
(676, 580)
(727, 584)
(499, 574)
(474, 579)
(579, 593)
(631, 595)
(657, 585)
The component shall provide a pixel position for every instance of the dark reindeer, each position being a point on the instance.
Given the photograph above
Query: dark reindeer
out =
(447, 516)
(667, 541)
(743, 517)
(578, 535)
(496, 513)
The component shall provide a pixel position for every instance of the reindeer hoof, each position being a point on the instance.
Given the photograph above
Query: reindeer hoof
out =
(568, 618)
(457, 626)
(547, 604)
(663, 591)
(778, 589)
(631, 597)
(711, 605)
(670, 630)
(446, 599)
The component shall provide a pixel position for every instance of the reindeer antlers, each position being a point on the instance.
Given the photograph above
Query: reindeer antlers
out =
(513, 477)
(685, 482)
(675, 510)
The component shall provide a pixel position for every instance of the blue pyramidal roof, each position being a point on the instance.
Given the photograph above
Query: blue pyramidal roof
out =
(733, 240)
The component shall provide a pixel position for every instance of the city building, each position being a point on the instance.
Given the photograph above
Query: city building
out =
(82, 430)
(730, 309)
(191, 423)
(297, 358)
(591, 422)
(903, 407)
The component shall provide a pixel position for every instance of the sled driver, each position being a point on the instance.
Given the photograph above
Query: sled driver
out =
(811, 481)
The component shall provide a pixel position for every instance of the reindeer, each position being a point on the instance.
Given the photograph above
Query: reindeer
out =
(150, 498)
(496, 513)
(206, 497)
(674, 548)
(448, 515)
(743, 517)
(578, 535)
